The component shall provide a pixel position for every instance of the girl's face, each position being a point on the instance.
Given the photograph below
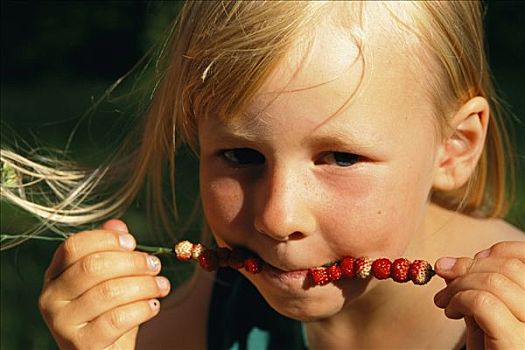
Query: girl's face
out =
(301, 182)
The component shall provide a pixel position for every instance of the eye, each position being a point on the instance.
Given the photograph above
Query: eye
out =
(342, 159)
(243, 156)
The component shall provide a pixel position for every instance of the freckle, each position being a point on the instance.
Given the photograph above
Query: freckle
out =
(379, 212)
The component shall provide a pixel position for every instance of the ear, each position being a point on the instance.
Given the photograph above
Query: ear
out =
(461, 148)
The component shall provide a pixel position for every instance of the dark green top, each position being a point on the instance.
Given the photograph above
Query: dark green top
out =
(240, 318)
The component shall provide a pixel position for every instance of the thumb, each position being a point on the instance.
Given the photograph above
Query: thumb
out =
(115, 225)
(451, 268)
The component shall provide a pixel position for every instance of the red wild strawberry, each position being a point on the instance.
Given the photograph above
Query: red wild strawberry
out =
(399, 270)
(363, 267)
(208, 260)
(420, 272)
(253, 264)
(224, 255)
(236, 258)
(381, 268)
(334, 272)
(347, 267)
(319, 275)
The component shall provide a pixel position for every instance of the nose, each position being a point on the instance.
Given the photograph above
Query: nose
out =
(283, 205)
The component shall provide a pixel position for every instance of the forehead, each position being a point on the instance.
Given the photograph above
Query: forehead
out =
(368, 66)
(373, 49)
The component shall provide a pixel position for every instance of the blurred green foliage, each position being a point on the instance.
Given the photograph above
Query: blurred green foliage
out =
(57, 58)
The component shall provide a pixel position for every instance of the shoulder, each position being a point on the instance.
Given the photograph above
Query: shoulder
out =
(171, 327)
(476, 234)
(491, 231)
(456, 234)
(496, 232)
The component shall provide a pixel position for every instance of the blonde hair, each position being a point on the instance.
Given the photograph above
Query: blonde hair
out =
(220, 55)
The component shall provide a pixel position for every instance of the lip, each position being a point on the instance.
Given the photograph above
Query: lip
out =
(295, 279)
(293, 271)
(301, 273)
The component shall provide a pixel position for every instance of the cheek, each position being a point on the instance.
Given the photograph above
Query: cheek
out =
(222, 199)
(383, 212)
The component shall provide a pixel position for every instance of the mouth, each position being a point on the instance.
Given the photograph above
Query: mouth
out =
(300, 278)
(291, 270)
(285, 272)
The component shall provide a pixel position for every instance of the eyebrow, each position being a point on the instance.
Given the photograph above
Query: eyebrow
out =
(334, 139)
(327, 139)
(251, 128)
(236, 132)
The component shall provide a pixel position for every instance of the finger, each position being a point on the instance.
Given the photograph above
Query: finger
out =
(451, 268)
(114, 293)
(127, 340)
(98, 267)
(511, 294)
(509, 249)
(115, 225)
(113, 324)
(488, 312)
(84, 243)
(474, 335)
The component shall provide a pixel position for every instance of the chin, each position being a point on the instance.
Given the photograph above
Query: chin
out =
(312, 309)
(312, 304)
(308, 313)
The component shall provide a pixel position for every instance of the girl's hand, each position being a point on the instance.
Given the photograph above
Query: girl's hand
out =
(489, 293)
(97, 290)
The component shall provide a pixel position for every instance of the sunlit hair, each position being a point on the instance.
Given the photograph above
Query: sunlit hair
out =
(219, 55)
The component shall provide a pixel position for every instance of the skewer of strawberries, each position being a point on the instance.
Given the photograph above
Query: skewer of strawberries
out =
(400, 270)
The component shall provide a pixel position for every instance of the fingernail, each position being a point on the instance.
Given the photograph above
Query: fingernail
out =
(162, 283)
(127, 241)
(483, 254)
(153, 263)
(437, 299)
(446, 263)
(154, 304)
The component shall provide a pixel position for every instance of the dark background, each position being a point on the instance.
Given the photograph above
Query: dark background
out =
(57, 58)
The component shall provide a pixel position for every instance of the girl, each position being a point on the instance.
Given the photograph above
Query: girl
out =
(324, 130)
